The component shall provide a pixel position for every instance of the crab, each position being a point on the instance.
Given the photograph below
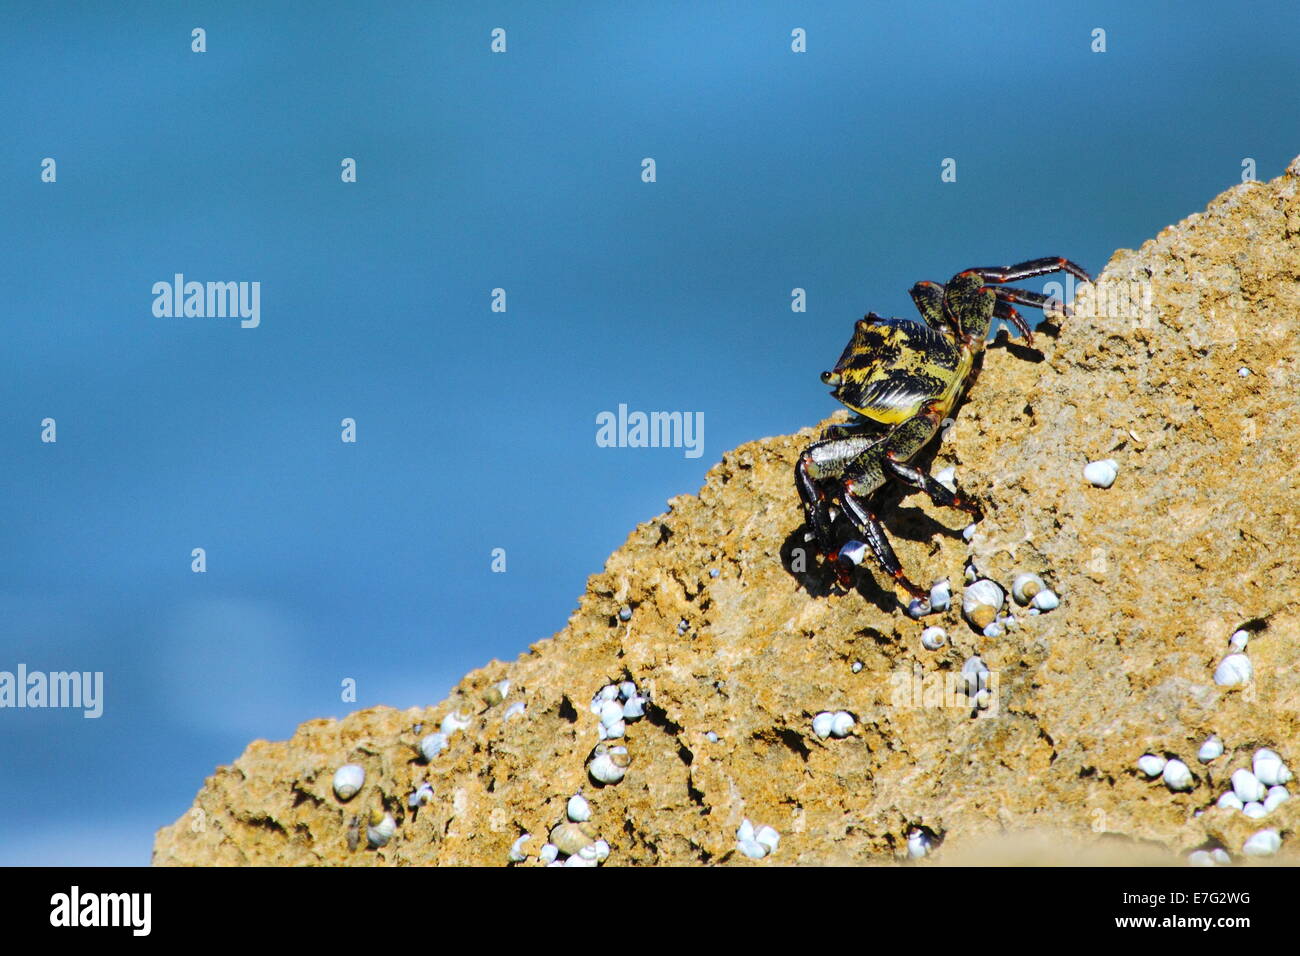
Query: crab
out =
(903, 378)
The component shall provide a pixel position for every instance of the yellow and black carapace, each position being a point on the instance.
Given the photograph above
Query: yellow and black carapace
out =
(903, 377)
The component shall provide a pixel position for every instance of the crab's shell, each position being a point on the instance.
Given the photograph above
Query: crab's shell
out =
(891, 368)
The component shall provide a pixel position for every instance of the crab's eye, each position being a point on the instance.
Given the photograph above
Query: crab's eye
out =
(831, 378)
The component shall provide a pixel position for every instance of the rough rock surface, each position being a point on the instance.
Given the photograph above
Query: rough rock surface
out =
(1182, 364)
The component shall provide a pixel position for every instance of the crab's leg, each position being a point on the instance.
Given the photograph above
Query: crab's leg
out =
(869, 525)
(821, 461)
(1003, 310)
(1035, 299)
(928, 297)
(969, 305)
(853, 428)
(903, 445)
(1034, 267)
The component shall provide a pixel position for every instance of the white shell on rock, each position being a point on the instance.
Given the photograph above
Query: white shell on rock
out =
(611, 712)
(578, 809)
(1262, 843)
(1269, 768)
(432, 745)
(1239, 640)
(768, 837)
(822, 724)
(548, 854)
(422, 797)
(453, 722)
(612, 731)
(1276, 797)
(1152, 765)
(918, 844)
(947, 477)
(602, 850)
(1045, 600)
(634, 709)
(841, 724)
(853, 552)
(1247, 786)
(348, 779)
(1212, 749)
(514, 710)
(1230, 801)
(754, 844)
(626, 689)
(980, 602)
(380, 833)
(1101, 473)
(569, 838)
(994, 630)
(517, 854)
(1178, 776)
(1254, 810)
(609, 763)
(940, 596)
(1024, 586)
(1233, 671)
(932, 638)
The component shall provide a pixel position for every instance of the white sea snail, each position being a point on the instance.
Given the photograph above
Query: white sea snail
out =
(608, 763)
(348, 780)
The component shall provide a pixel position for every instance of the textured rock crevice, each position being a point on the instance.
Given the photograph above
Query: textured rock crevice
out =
(1183, 364)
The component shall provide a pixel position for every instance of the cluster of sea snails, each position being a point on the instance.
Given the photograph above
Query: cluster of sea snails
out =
(1175, 774)
(837, 724)
(1256, 792)
(350, 778)
(983, 601)
(431, 745)
(1259, 843)
(756, 842)
(617, 705)
(1235, 670)
(1262, 789)
(571, 842)
(380, 826)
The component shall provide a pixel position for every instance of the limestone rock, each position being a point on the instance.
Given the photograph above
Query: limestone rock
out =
(1182, 364)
